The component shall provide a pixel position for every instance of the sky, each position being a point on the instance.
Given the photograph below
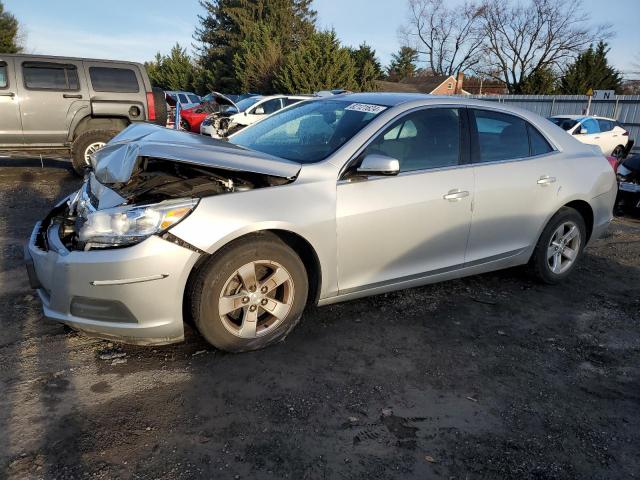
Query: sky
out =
(137, 29)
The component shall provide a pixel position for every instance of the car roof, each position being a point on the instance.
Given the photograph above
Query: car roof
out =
(62, 58)
(583, 117)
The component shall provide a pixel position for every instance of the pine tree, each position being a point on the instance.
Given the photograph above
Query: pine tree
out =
(175, 71)
(320, 63)
(540, 82)
(258, 60)
(591, 70)
(228, 23)
(403, 64)
(363, 54)
(9, 41)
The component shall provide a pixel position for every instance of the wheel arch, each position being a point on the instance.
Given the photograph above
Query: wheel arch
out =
(88, 123)
(586, 212)
(295, 241)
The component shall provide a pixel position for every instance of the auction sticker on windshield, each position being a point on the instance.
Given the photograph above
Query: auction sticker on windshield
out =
(366, 108)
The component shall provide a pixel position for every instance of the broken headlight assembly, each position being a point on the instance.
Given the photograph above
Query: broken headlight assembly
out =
(128, 225)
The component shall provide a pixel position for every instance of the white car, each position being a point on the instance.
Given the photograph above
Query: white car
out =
(606, 133)
(246, 112)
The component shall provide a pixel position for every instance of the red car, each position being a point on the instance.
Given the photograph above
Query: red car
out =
(191, 118)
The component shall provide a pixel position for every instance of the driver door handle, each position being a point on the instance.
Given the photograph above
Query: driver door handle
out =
(455, 195)
(546, 180)
(69, 95)
(10, 94)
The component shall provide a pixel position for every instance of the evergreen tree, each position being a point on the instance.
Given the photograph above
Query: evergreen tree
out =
(403, 64)
(258, 60)
(226, 24)
(591, 70)
(8, 32)
(541, 82)
(175, 71)
(320, 63)
(363, 54)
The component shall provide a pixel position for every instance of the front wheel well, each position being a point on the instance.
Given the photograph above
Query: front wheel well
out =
(299, 245)
(586, 212)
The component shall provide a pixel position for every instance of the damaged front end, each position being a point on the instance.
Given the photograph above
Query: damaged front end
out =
(148, 180)
(222, 125)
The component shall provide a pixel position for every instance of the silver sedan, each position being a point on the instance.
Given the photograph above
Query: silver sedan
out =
(325, 201)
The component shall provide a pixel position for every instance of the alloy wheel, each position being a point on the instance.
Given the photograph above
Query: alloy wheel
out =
(256, 299)
(563, 248)
(91, 149)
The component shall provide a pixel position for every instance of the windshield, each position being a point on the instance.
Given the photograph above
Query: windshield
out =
(247, 103)
(564, 123)
(309, 131)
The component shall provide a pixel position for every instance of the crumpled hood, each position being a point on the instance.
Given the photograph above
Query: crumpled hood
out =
(116, 162)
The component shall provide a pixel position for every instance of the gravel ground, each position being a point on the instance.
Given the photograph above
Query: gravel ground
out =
(493, 376)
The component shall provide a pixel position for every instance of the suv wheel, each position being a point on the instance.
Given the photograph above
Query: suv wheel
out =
(87, 143)
(250, 295)
(559, 247)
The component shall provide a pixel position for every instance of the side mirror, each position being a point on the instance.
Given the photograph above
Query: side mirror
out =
(377, 164)
(259, 111)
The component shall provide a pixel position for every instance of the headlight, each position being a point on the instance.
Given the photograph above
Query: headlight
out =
(132, 224)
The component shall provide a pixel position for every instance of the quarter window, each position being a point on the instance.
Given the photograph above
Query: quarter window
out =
(118, 80)
(500, 136)
(422, 140)
(50, 76)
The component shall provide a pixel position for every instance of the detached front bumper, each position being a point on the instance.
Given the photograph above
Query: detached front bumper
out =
(132, 294)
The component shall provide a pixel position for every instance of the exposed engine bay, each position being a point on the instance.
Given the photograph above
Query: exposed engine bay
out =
(222, 124)
(154, 182)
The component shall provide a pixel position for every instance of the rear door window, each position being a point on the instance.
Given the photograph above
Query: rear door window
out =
(4, 79)
(194, 99)
(50, 76)
(291, 101)
(183, 98)
(605, 125)
(270, 106)
(500, 136)
(117, 80)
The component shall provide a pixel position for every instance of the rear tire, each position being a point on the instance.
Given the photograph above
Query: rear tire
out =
(87, 143)
(234, 313)
(559, 247)
(618, 152)
(160, 102)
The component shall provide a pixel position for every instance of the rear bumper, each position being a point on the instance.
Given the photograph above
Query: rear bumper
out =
(133, 294)
(602, 207)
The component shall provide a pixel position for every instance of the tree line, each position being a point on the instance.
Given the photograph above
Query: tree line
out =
(269, 46)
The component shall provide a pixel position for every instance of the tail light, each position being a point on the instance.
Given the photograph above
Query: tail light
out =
(613, 161)
(625, 134)
(151, 106)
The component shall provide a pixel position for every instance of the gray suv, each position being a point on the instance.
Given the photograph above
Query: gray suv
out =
(72, 105)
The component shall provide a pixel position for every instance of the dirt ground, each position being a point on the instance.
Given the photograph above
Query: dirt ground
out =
(494, 376)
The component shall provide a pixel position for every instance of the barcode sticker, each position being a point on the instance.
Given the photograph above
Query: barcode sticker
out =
(366, 108)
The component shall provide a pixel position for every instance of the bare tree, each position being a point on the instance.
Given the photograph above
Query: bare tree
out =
(448, 39)
(522, 40)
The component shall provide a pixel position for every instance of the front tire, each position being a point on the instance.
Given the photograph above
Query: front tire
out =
(249, 295)
(559, 247)
(87, 143)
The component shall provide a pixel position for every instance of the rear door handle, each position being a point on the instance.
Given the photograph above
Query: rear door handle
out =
(10, 94)
(455, 195)
(546, 180)
(69, 95)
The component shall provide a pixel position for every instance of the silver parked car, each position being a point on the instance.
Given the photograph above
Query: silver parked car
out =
(328, 200)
